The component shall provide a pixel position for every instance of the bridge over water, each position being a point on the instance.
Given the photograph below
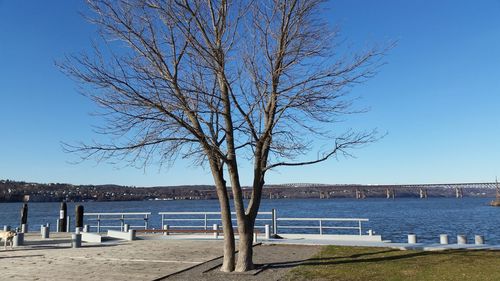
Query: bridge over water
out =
(360, 191)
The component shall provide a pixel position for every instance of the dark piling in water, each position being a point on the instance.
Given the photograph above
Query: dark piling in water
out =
(79, 216)
(24, 214)
(62, 217)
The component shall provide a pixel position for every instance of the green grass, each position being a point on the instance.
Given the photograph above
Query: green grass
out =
(363, 263)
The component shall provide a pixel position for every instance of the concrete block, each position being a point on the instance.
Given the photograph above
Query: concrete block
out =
(91, 237)
(130, 235)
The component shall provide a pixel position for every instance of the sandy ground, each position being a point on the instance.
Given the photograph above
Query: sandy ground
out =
(53, 259)
(155, 258)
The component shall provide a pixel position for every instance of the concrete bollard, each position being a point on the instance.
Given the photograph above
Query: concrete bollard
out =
(216, 228)
(479, 239)
(76, 240)
(6, 227)
(255, 238)
(86, 228)
(166, 227)
(443, 239)
(370, 232)
(131, 234)
(267, 231)
(24, 228)
(18, 240)
(44, 231)
(461, 239)
(126, 227)
(412, 238)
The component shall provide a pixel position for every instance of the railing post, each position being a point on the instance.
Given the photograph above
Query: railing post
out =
(360, 230)
(162, 221)
(68, 223)
(275, 221)
(206, 221)
(98, 223)
(122, 223)
(146, 217)
(320, 227)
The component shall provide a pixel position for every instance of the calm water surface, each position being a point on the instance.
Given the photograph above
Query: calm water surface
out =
(393, 219)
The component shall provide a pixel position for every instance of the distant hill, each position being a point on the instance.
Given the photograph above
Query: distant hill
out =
(18, 191)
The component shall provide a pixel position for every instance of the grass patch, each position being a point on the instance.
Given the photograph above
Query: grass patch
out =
(365, 263)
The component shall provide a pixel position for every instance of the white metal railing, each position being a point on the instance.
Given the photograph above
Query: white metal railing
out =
(122, 218)
(203, 220)
(323, 224)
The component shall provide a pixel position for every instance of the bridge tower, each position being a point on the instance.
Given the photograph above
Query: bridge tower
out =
(389, 193)
(423, 193)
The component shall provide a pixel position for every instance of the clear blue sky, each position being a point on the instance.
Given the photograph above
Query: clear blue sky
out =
(438, 97)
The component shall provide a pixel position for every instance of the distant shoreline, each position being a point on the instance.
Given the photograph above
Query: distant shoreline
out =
(18, 191)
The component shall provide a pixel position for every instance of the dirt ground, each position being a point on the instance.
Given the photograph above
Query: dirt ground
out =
(273, 262)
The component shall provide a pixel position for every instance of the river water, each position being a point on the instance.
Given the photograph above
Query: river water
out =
(393, 219)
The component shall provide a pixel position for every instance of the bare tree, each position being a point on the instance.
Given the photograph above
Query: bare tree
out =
(220, 82)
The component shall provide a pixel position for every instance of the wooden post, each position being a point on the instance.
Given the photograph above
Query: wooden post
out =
(62, 217)
(79, 216)
(24, 217)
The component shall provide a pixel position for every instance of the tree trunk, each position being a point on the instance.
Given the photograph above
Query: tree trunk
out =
(227, 225)
(228, 262)
(245, 254)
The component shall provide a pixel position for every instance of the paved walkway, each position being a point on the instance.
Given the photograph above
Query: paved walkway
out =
(53, 259)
